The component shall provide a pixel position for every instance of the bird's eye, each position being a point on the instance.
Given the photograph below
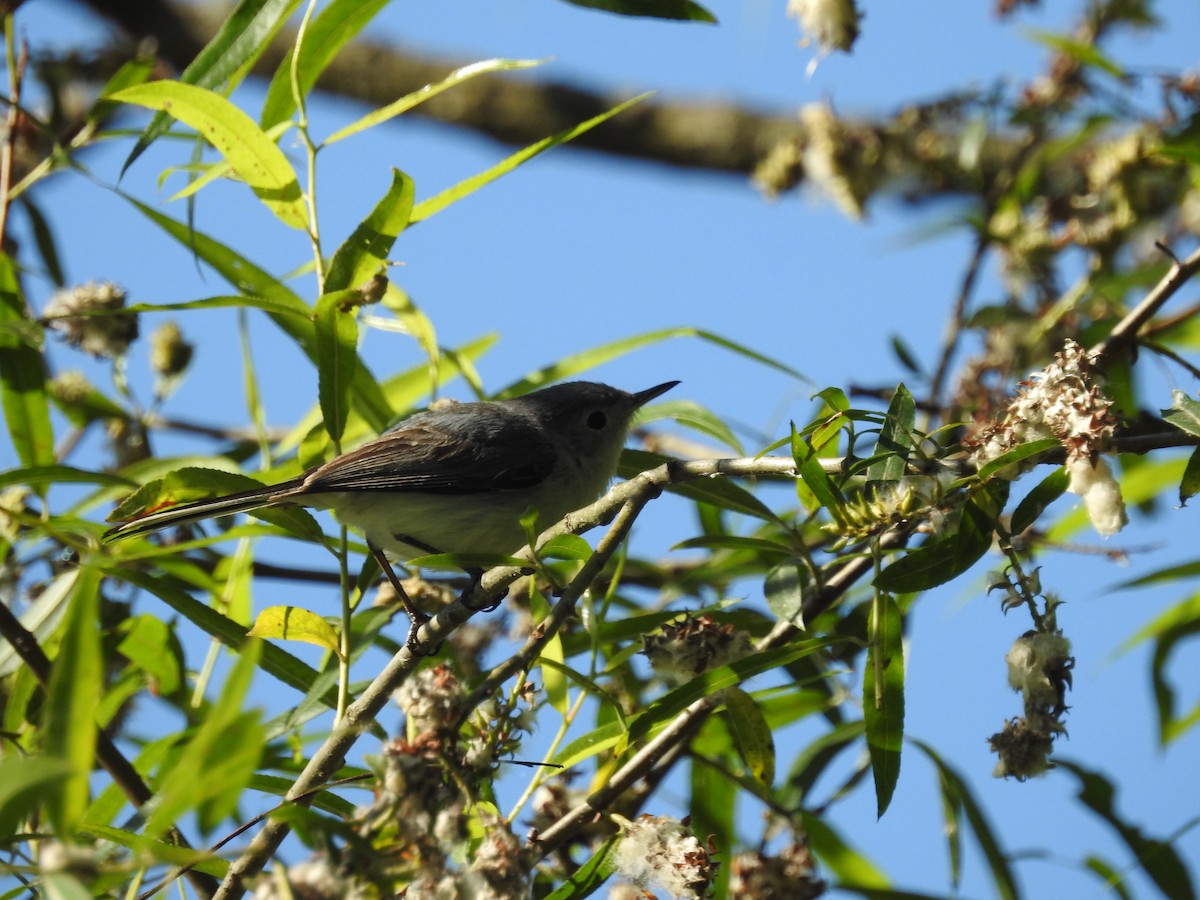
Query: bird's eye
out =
(596, 420)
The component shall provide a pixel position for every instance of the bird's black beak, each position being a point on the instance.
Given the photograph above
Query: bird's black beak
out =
(641, 398)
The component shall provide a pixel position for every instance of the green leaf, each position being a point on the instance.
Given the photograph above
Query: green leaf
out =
(720, 492)
(945, 559)
(575, 364)
(274, 660)
(337, 358)
(22, 379)
(787, 586)
(244, 36)
(812, 474)
(1189, 484)
(291, 623)
(43, 238)
(674, 702)
(1085, 53)
(1016, 455)
(895, 442)
(684, 10)
(957, 795)
(39, 475)
(589, 877)
(695, 416)
(226, 748)
(330, 30)
(852, 869)
(1168, 630)
(751, 735)
(76, 683)
(883, 697)
(365, 252)
(407, 102)
(150, 644)
(244, 275)
(252, 154)
(435, 204)
(1036, 501)
(1158, 859)
(23, 779)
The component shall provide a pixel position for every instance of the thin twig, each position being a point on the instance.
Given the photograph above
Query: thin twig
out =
(954, 327)
(1124, 334)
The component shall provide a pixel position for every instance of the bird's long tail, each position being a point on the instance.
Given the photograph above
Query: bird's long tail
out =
(255, 498)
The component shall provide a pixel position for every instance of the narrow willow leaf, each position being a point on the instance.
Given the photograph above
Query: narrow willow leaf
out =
(720, 492)
(1083, 52)
(39, 475)
(244, 36)
(22, 379)
(435, 204)
(248, 150)
(159, 851)
(76, 682)
(812, 474)
(1016, 455)
(227, 744)
(44, 240)
(787, 586)
(695, 416)
(576, 364)
(946, 559)
(274, 661)
(895, 442)
(366, 251)
(589, 877)
(244, 275)
(291, 623)
(956, 792)
(1158, 859)
(407, 102)
(674, 702)
(1189, 484)
(852, 869)
(330, 30)
(883, 698)
(149, 644)
(22, 778)
(654, 9)
(1036, 501)
(751, 735)
(337, 358)
(594, 742)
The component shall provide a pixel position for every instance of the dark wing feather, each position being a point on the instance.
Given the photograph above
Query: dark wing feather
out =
(455, 451)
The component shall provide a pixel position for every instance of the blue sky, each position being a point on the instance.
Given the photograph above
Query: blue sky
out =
(575, 250)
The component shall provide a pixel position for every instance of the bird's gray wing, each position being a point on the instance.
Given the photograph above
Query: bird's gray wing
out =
(449, 452)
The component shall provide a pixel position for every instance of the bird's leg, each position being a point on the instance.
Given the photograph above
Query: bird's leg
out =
(475, 576)
(415, 616)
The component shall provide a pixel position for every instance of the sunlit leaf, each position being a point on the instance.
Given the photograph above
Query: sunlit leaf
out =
(751, 735)
(366, 251)
(407, 102)
(291, 623)
(331, 29)
(252, 154)
(244, 36)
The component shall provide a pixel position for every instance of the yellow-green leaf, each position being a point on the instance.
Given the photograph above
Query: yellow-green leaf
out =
(290, 623)
(249, 151)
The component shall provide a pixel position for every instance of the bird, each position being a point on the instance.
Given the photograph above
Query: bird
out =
(455, 479)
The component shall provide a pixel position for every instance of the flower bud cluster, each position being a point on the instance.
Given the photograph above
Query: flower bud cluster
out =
(1062, 402)
(86, 316)
(661, 852)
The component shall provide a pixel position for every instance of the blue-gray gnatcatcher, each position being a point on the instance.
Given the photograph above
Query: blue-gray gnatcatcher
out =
(456, 479)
